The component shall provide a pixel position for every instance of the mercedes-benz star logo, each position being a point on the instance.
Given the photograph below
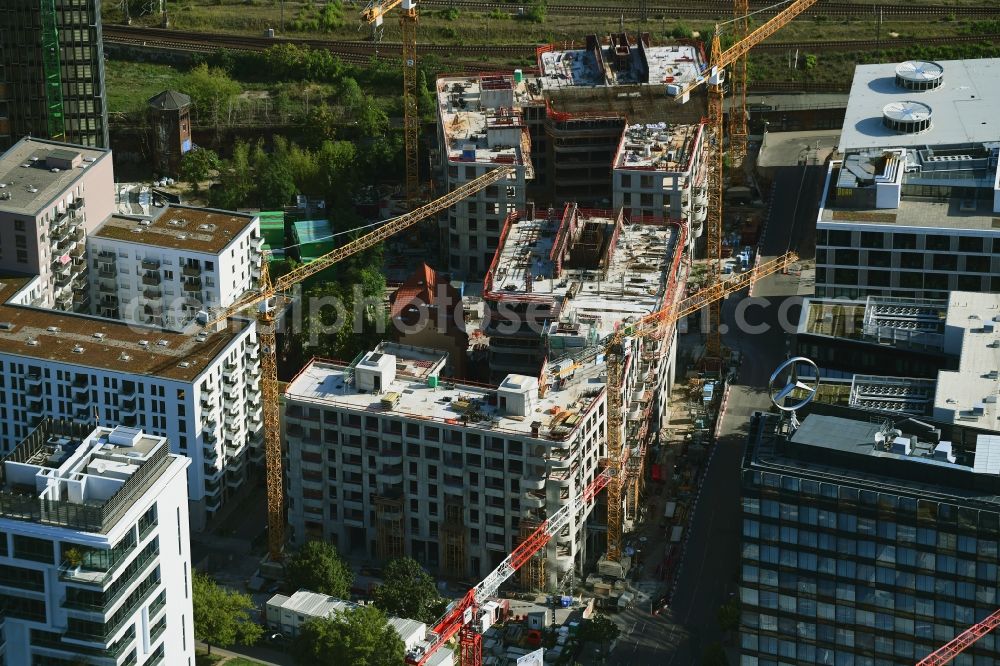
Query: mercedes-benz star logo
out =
(779, 390)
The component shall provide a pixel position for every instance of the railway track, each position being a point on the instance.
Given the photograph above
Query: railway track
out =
(723, 8)
(361, 52)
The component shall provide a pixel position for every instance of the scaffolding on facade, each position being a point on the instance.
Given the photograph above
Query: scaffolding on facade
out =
(389, 526)
(453, 533)
(532, 573)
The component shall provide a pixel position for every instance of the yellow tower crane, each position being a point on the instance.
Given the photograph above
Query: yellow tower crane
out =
(374, 15)
(738, 89)
(268, 299)
(715, 77)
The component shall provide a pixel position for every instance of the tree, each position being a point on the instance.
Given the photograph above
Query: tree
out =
(358, 636)
(537, 11)
(222, 617)
(729, 615)
(408, 591)
(714, 655)
(198, 164)
(318, 567)
(211, 91)
(601, 629)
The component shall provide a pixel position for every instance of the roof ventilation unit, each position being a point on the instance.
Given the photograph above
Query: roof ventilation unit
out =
(906, 117)
(919, 75)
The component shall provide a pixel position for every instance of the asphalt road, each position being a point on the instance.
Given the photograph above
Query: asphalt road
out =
(710, 570)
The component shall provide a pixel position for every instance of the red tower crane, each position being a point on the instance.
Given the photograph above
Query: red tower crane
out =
(957, 645)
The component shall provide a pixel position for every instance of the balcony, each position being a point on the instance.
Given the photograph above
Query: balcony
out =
(192, 286)
(150, 264)
(391, 474)
(391, 457)
(77, 204)
(152, 310)
(533, 500)
(191, 271)
(152, 279)
(152, 295)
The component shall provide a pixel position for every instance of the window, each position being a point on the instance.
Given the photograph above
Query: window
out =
(904, 242)
(872, 239)
(626, 180)
(938, 242)
(945, 262)
(970, 244)
(34, 550)
(977, 264)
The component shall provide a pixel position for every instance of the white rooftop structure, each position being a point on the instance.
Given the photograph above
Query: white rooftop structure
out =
(87, 472)
(972, 331)
(890, 104)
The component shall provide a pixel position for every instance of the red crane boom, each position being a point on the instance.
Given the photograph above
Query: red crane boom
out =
(957, 645)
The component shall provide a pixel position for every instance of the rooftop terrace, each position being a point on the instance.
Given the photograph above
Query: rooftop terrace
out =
(658, 147)
(591, 266)
(107, 344)
(178, 227)
(69, 475)
(33, 172)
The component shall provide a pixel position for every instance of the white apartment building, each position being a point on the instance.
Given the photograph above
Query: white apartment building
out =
(163, 271)
(51, 196)
(910, 209)
(480, 127)
(200, 391)
(485, 459)
(94, 550)
(660, 171)
(387, 459)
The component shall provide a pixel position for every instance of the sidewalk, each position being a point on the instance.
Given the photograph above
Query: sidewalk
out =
(257, 655)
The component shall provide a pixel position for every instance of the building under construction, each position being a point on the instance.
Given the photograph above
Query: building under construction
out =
(561, 125)
(455, 474)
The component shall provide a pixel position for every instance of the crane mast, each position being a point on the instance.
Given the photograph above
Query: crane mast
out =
(734, 56)
(374, 15)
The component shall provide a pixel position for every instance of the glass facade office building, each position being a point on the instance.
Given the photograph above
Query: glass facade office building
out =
(857, 552)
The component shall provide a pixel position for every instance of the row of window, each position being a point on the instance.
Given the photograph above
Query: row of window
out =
(974, 263)
(906, 241)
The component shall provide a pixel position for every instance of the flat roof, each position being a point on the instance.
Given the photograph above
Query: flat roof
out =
(970, 394)
(472, 108)
(917, 323)
(668, 64)
(183, 357)
(629, 282)
(32, 184)
(559, 413)
(179, 228)
(963, 107)
(834, 432)
(658, 147)
(73, 476)
(954, 214)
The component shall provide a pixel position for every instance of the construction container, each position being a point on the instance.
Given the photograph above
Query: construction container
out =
(432, 381)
